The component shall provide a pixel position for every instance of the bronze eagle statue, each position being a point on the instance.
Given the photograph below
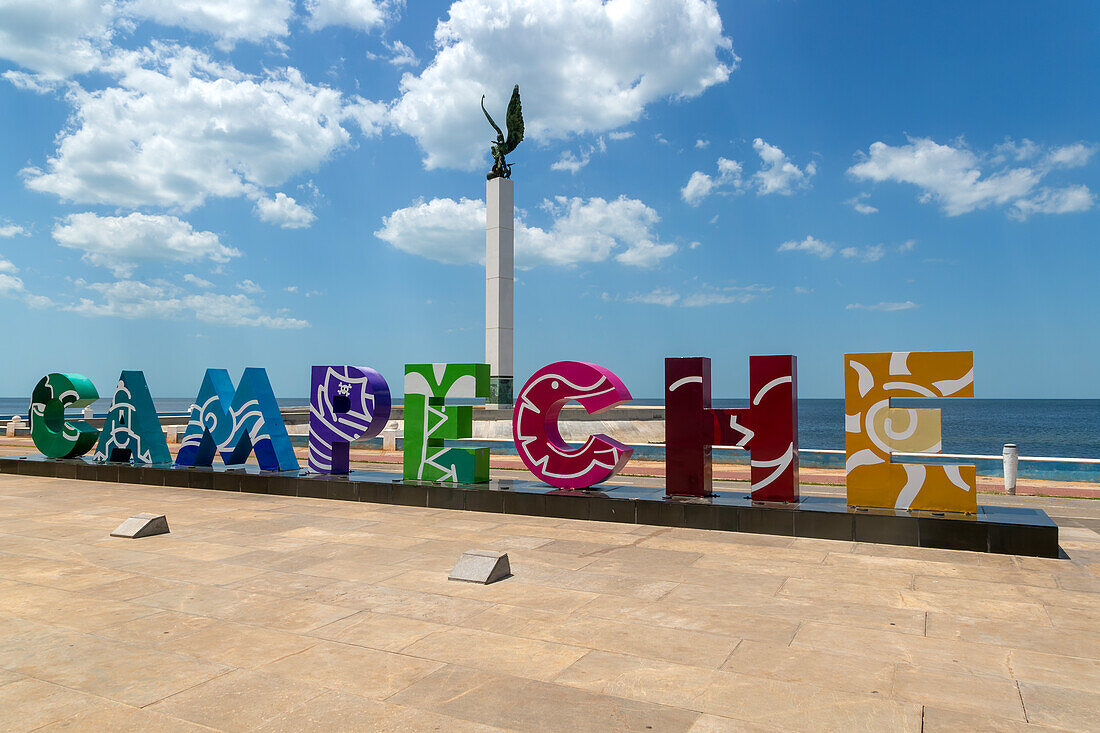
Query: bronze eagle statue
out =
(513, 119)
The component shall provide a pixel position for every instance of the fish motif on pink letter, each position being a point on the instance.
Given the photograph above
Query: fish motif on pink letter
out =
(535, 424)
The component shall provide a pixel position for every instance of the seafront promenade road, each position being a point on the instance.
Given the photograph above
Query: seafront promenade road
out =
(288, 614)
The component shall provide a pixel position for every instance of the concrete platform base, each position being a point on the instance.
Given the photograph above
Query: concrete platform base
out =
(995, 529)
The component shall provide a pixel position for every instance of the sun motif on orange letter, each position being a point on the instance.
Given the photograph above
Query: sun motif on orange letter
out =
(874, 429)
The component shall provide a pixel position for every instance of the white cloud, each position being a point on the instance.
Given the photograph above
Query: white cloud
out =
(870, 253)
(159, 299)
(180, 128)
(825, 250)
(55, 39)
(364, 15)
(961, 181)
(10, 284)
(32, 82)
(284, 211)
(291, 288)
(9, 230)
(229, 21)
(590, 67)
(702, 144)
(624, 135)
(858, 204)
(776, 175)
(247, 286)
(701, 185)
(1054, 201)
(572, 163)
(887, 307)
(400, 54)
(722, 296)
(659, 296)
(705, 296)
(801, 290)
(197, 281)
(582, 230)
(120, 243)
(1071, 156)
(809, 245)
(779, 174)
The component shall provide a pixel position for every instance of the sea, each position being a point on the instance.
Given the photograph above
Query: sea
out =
(1054, 428)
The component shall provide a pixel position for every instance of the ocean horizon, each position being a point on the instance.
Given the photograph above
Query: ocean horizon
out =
(1063, 428)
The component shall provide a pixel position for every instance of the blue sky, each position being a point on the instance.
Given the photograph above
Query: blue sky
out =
(282, 183)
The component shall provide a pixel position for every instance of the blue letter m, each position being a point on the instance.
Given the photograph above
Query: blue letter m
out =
(236, 423)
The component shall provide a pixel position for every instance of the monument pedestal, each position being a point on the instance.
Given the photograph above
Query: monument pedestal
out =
(1000, 529)
(499, 281)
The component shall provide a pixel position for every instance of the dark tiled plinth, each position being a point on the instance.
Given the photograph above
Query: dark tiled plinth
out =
(1007, 530)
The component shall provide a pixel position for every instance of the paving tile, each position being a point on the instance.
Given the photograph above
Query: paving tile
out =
(969, 693)
(1074, 619)
(118, 718)
(237, 645)
(890, 647)
(735, 544)
(352, 669)
(132, 674)
(1055, 669)
(489, 698)
(1085, 583)
(796, 706)
(938, 568)
(727, 594)
(653, 642)
(28, 704)
(581, 580)
(283, 585)
(1036, 636)
(1060, 706)
(434, 607)
(342, 712)
(733, 622)
(516, 656)
(636, 678)
(509, 591)
(238, 700)
(378, 630)
(707, 723)
(65, 608)
(157, 627)
(370, 567)
(847, 672)
(288, 614)
(940, 720)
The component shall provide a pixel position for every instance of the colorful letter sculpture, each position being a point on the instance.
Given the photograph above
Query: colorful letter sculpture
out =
(535, 424)
(345, 403)
(236, 423)
(768, 428)
(53, 394)
(429, 421)
(873, 429)
(132, 428)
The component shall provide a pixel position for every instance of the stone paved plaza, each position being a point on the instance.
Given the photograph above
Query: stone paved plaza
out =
(272, 613)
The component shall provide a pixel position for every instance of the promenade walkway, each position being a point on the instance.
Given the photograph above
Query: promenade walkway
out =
(288, 614)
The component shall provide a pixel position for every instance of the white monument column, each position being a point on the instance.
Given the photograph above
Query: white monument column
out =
(499, 279)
